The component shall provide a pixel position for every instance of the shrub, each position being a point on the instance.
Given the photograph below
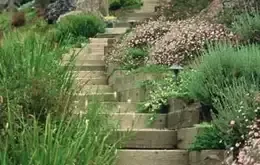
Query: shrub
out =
(80, 25)
(32, 79)
(160, 90)
(114, 4)
(209, 138)
(118, 4)
(185, 40)
(131, 3)
(219, 66)
(233, 8)
(178, 9)
(249, 154)
(135, 58)
(60, 141)
(237, 107)
(141, 37)
(148, 32)
(18, 19)
(247, 26)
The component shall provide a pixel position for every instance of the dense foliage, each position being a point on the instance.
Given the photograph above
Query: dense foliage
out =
(79, 26)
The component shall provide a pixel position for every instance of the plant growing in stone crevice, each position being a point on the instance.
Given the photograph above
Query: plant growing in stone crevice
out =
(160, 90)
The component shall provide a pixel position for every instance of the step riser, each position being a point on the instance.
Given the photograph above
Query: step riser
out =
(149, 139)
(90, 68)
(97, 81)
(153, 157)
(102, 41)
(86, 58)
(121, 107)
(97, 89)
(82, 100)
(90, 75)
(139, 121)
(92, 62)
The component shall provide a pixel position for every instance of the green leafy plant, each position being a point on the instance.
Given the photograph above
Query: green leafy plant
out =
(80, 25)
(125, 4)
(135, 58)
(209, 138)
(247, 26)
(219, 66)
(161, 90)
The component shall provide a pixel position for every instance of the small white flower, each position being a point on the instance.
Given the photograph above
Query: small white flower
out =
(129, 101)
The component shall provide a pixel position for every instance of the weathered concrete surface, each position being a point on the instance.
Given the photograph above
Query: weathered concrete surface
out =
(153, 157)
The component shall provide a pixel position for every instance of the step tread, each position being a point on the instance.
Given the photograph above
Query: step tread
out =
(152, 157)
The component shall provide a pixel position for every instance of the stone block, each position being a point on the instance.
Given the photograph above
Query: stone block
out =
(207, 157)
(182, 119)
(186, 136)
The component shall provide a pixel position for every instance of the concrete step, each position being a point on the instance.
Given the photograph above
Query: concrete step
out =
(112, 32)
(121, 107)
(186, 136)
(81, 52)
(149, 138)
(150, 1)
(102, 40)
(139, 120)
(141, 14)
(92, 81)
(90, 66)
(152, 157)
(83, 99)
(90, 62)
(97, 89)
(89, 74)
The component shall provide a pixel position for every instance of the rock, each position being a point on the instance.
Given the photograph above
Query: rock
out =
(76, 12)
(93, 6)
(58, 8)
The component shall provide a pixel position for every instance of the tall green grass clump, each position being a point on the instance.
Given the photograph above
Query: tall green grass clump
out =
(84, 140)
(32, 79)
(219, 66)
(79, 26)
(247, 26)
(38, 126)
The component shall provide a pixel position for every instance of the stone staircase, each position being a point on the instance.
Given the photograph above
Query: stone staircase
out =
(166, 140)
(163, 142)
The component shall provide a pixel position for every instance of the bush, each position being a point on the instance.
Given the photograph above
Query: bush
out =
(233, 8)
(249, 154)
(80, 25)
(118, 4)
(247, 26)
(60, 141)
(160, 90)
(131, 3)
(237, 107)
(135, 58)
(209, 138)
(141, 37)
(185, 40)
(32, 80)
(179, 9)
(219, 66)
